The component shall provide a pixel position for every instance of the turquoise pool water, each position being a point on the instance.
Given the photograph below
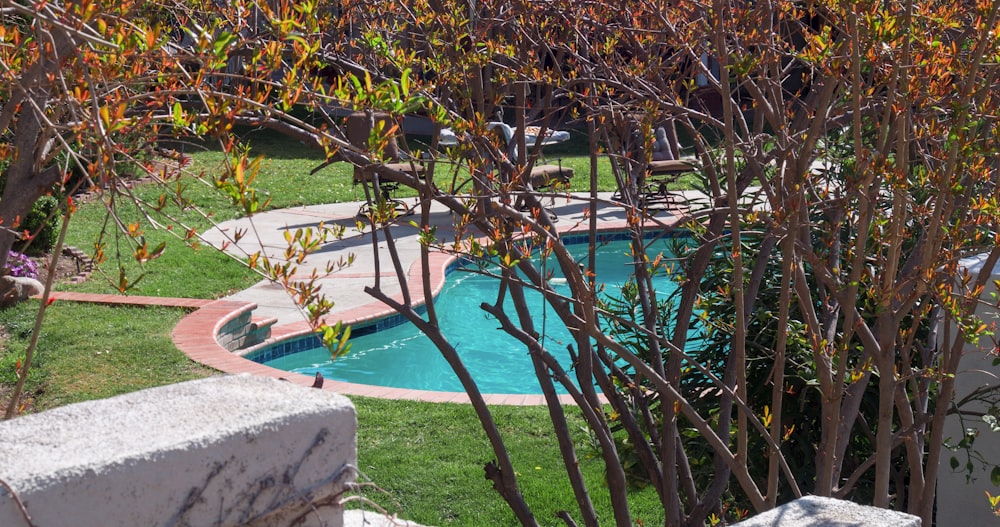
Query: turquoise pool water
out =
(402, 357)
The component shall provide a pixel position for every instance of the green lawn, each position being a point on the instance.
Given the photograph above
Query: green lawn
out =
(427, 462)
(427, 459)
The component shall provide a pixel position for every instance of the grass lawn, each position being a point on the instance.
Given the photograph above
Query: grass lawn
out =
(427, 459)
(427, 462)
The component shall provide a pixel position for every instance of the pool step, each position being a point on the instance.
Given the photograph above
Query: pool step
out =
(243, 330)
(259, 330)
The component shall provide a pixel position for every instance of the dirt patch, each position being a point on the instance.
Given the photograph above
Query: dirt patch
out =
(73, 266)
(25, 406)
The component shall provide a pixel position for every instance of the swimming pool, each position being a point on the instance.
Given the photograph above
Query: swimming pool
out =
(402, 357)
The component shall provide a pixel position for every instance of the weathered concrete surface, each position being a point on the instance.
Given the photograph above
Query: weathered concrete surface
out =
(360, 518)
(233, 450)
(814, 511)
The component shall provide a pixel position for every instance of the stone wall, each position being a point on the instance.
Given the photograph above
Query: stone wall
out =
(814, 511)
(231, 450)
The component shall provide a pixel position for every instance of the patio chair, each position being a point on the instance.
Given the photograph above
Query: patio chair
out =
(541, 176)
(359, 129)
(661, 171)
(654, 193)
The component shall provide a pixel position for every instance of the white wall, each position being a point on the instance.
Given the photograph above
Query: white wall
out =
(961, 503)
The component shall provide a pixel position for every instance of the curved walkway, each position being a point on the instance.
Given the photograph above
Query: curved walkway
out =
(196, 334)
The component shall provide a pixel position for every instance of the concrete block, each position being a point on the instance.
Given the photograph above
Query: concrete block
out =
(360, 518)
(814, 511)
(233, 450)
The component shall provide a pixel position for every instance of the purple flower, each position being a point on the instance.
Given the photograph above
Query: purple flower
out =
(20, 265)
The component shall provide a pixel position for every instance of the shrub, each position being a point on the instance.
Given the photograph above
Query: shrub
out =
(40, 224)
(21, 266)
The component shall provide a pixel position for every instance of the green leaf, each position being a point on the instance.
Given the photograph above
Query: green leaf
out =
(954, 463)
(158, 251)
(356, 82)
(222, 43)
(995, 476)
(404, 82)
(178, 114)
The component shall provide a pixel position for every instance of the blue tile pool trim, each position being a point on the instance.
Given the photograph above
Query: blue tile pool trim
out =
(295, 345)
(284, 348)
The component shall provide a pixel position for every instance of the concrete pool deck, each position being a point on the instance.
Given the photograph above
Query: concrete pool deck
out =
(196, 334)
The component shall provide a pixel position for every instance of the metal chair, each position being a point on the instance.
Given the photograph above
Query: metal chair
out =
(359, 132)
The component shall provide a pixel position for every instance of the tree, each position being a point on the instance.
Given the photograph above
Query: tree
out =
(868, 149)
(91, 90)
(847, 161)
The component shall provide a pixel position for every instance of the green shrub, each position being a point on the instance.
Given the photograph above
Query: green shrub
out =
(41, 225)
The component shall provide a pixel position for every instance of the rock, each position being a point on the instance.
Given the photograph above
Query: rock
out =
(816, 511)
(14, 289)
(661, 146)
